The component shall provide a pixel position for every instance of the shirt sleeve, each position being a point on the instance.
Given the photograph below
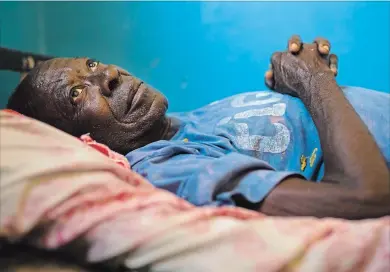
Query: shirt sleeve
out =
(217, 181)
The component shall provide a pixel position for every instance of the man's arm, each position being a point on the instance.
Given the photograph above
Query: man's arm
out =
(356, 183)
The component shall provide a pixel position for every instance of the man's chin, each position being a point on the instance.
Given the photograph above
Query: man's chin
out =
(160, 103)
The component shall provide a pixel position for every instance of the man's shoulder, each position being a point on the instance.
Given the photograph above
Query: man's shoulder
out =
(245, 99)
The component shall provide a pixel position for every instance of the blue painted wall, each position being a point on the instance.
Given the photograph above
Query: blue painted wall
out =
(197, 52)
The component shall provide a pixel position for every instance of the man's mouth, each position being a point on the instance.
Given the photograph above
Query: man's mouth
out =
(132, 99)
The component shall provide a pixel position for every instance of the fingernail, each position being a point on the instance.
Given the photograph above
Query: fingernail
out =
(268, 74)
(325, 48)
(294, 47)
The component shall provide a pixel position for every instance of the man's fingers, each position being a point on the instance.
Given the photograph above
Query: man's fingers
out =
(275, 59)
(269, 75)
(333, 64)
(323, 45)
(269, 78)
(294, 44)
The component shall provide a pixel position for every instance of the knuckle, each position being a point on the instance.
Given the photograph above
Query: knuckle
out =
(333, 58)
(295, 37)
(275, 57)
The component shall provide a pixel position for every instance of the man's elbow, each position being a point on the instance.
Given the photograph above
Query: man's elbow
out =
(376, 203)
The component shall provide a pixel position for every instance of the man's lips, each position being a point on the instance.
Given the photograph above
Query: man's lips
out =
(132, 93)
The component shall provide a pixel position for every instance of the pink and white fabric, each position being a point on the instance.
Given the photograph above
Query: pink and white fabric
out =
(50, 179)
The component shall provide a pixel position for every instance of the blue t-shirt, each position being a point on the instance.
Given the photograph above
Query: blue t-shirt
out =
(241, 147)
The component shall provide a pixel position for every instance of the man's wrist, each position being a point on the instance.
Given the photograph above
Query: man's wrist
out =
(319, 86)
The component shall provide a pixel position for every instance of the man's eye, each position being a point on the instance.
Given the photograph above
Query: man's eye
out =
(75, 92)
(92, 64)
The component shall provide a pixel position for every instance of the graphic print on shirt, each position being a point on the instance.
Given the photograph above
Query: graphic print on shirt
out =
(264, 104)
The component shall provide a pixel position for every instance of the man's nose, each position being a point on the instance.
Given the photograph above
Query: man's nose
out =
(111, 80)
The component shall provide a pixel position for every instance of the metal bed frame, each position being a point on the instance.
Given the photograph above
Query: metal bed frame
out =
(19, 61)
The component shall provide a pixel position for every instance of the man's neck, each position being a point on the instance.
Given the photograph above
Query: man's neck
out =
(165, 129)
(171, 128)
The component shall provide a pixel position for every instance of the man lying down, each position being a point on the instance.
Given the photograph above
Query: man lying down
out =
(307, 148)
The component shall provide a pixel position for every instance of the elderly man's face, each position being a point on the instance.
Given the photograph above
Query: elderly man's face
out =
(104, 100)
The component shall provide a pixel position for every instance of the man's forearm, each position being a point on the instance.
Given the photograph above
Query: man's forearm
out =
(351, 155)
(356, 181)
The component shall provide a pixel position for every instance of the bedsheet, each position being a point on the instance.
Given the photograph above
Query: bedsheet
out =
(60, 192)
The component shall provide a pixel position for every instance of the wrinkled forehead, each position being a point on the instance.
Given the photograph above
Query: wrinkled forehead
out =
(59, 71)
(66, 63)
